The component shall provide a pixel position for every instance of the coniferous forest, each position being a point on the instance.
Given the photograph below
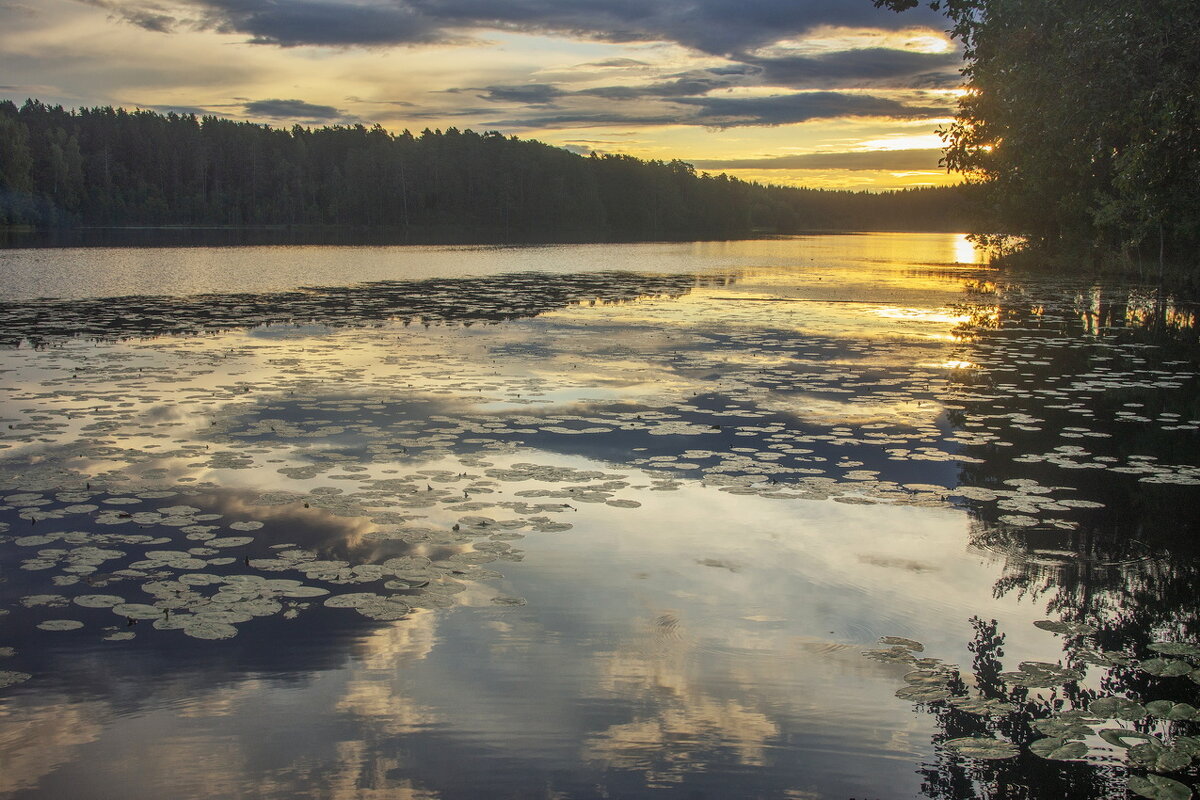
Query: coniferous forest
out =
(112, 167)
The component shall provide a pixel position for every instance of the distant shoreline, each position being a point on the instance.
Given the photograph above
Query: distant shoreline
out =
(24, 236)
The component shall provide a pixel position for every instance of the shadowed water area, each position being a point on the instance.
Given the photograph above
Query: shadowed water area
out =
(847, 516)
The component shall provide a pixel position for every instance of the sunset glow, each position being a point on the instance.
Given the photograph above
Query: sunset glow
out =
(713, 85)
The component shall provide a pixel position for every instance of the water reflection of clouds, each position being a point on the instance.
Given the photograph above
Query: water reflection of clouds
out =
(685, 632)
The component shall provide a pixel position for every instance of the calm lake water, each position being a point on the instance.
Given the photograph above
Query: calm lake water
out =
(839, 517)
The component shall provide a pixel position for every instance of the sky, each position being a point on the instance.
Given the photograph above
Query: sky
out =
(820, 93)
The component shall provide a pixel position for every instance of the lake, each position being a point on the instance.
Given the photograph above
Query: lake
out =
(843, 516)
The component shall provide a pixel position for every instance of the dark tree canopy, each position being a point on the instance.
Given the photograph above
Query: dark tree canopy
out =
(106, 166)
(1081, 120)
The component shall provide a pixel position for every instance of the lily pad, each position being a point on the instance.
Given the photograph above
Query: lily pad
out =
(982, 706)
(983, 747)
(1057, 749)
(1117, 708)
(923, 694)
(1125, 738)
(1168, 709)
(60, 625)
(1165, 667)
(11, 678)
(1039, 674)
(1167, 759)
(98, 600)
(893, 655)
(1065, 628)
(1157, 787)
(1058, 727)
(209, 629)
(1175, 648)
(137, 611)
(900, 641)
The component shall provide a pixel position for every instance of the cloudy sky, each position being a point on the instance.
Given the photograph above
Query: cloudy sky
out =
(806, 92)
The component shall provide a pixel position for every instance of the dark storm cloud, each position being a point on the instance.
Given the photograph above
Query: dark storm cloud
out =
(877, 67)
(534, 94)
(684, 84)
(290, 109)
(684, 87)
(728, 112)
(321, 22)
(713, 26)
(895, 160)
(588, 119)
(733, 112)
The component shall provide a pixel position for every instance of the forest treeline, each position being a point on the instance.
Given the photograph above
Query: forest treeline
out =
(111, 167)
(1080, 126)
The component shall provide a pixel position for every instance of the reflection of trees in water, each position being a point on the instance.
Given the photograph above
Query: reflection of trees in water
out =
(1056, 373)
(1130, 568)
(437, 301)
(1028, 776)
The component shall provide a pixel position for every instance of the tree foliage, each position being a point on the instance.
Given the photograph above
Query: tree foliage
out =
(106, 166)
(1081, 120)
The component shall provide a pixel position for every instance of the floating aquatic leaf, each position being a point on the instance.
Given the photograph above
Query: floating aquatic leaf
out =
(1183, 712)
(60, 625)
(508, 601)
(46, 600)
(1059, 728)
(983, 747)
(982, 706)
(928, 677)
(900, 641)
(923, 694)
(1123, 737)
(1165, 667)
(1175, 648)
(1057, 749)
(120, 636)
(1117, 708)
(229, 541)
(1157, 787)
(11, 678)
(1188, 744)
(98, 600)
(1169, 760)
(304, 591)
(1146, 754)
(897, 655)
(1065, 628)
(209, 629)
(1168, 709)
(137, 611)
(1040, 674)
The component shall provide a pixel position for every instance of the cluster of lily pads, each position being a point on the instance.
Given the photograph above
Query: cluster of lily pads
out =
(203, 575)
(733, 396)
(481, 299)
(1158, 746)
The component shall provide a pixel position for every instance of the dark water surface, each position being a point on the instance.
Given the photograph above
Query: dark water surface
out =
(594, 521)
